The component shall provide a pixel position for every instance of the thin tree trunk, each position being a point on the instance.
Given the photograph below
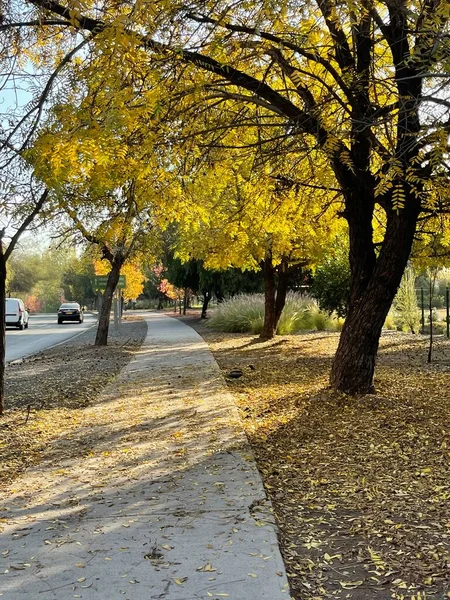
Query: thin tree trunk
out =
(371, 298)
(430, 308)
(219, 296)
(282, 288)
(206, 299)
(269, 298)
(101, 338)
(185, 301)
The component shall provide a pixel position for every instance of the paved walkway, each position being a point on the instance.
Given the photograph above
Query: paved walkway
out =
(164, 500)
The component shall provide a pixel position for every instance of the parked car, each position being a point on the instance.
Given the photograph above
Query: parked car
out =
(70, 311)
(16, 315)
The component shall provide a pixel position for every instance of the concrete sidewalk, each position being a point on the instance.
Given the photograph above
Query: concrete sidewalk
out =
(163, 501)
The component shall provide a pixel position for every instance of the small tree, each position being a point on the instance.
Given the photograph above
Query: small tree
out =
(405, 302)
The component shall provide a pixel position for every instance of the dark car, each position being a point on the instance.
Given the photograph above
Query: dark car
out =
(70, 311)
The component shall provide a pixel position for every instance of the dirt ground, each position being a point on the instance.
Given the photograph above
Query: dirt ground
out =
(360, 486)
(46, 393)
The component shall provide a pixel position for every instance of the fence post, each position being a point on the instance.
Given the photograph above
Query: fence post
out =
(423, 309)
(447, 309)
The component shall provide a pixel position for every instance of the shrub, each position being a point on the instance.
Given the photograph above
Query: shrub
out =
(331, 282)
(297, 314)
(320, 321)
(439, 328)
(338, 323)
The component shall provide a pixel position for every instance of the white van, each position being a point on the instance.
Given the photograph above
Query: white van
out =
(16, 314)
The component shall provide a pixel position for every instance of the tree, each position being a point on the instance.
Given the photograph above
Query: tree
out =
(78, 279)
(119, 238)
(254, 219)
(359, 83)
(105, 184)
(133, 276)
(23, 274)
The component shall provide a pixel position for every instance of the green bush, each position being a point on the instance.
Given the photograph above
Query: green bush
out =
(338, 323)
(331, 282)
(245, 313)
(320, 321)
(439, 328)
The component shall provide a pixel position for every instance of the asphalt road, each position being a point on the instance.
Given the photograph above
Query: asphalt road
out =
(43, 331)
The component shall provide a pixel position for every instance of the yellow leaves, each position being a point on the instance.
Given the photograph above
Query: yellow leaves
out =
(398, 197)
(133, 274)
(208, 568)
(296, 77)
(74, 17)
(121, 152)
(346, 159)
(377, 559)
(351, 585)
(231, 211)
(134, 280)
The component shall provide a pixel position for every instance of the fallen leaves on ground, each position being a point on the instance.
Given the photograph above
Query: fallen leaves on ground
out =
(46, 393)
(360, 486)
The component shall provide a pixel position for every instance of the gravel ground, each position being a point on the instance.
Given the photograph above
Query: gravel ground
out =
(46, 393)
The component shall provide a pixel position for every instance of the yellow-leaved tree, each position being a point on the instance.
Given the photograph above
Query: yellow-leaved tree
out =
(363, 84)
(97, 154)
(134, 278)
(241, 214)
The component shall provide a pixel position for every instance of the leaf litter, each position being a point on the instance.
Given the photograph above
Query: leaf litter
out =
(360, 487)
(47, 393)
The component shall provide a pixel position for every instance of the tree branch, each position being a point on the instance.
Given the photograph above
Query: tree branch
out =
(15, 238)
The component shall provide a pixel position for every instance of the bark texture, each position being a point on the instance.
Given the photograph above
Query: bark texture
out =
(375, 283)
(206, 299)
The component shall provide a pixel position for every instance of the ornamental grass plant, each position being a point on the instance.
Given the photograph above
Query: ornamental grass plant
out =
(245, 313)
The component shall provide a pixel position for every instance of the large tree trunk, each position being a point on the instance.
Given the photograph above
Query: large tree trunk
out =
(2, 327)
(372, 293)
(101, 338)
